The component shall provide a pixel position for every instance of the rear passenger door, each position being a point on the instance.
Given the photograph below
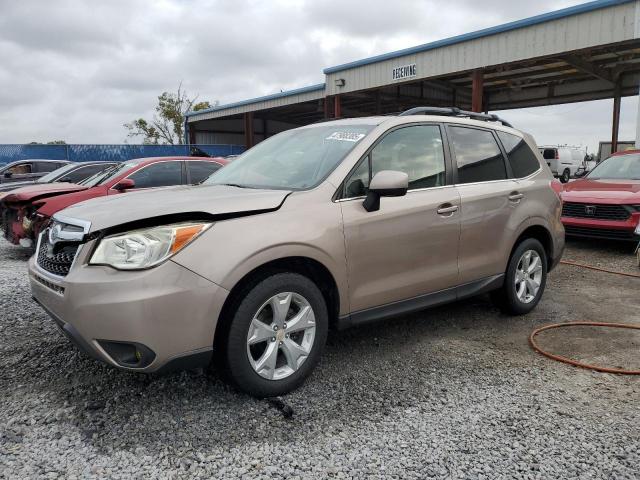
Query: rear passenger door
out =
(488, 199)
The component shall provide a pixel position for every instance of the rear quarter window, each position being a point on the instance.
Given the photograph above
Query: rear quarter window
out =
(521, 158)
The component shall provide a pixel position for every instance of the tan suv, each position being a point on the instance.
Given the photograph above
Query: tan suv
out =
(336, 223)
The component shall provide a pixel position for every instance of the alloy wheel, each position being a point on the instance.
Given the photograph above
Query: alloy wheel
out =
(281, 335)
(528, 277)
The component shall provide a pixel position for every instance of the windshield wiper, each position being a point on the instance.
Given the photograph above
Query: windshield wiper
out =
(232, 185)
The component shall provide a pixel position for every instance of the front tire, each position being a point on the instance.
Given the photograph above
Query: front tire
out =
(276, 335)
(566, 176)
(525, 279)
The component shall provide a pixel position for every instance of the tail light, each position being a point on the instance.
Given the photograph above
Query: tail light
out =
(557, 155)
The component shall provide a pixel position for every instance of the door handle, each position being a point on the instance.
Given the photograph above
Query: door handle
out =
(516, 196)
(447, 209)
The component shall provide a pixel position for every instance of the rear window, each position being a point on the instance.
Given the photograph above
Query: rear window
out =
(521, 158)
(478, 156)
(549, 153)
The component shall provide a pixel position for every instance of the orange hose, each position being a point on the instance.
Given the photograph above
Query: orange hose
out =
(560, 358)
(575, 363)
(598, 269)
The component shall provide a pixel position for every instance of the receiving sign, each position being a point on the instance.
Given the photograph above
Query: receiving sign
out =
(406, 71)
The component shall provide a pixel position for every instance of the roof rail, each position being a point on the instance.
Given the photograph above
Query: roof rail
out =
(455, 112)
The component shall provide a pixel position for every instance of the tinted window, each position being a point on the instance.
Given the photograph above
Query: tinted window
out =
(477, 154)
(200, 171)
(549, 153)
(81, 173)
(522, 160)
(160, 174)
(47, 166)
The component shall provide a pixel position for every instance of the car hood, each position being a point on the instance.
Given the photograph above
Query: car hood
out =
(609, 191)
(204, 201)
(41, 190)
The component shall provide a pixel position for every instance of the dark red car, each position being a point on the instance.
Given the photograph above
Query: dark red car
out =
(605, 203)
(27, 210)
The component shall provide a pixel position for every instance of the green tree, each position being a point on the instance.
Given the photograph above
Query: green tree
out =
(167, 125)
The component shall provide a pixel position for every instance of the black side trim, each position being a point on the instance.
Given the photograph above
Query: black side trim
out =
(421, 302)
(189, 361)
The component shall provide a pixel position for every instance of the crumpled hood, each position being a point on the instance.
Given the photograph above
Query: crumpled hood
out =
(210, 200)
(609, 191)
(41, 190)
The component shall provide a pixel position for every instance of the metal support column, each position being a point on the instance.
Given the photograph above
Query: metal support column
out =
(638, 124)
(477, 92)
(337, 108)
(616, 119)
(248, 130)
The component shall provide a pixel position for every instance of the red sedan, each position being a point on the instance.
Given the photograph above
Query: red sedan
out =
(27, 210)
(605, 203)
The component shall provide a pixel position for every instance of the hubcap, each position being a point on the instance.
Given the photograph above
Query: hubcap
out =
(528, 276)
(281, 335)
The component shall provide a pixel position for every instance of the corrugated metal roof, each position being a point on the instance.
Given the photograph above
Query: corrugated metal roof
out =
(288, 93)
(527, 22)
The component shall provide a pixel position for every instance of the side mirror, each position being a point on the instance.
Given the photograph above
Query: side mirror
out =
(580, 173)
(124, 184)
(387, 183)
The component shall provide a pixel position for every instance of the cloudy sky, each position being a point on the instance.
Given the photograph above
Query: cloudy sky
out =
(77, 70)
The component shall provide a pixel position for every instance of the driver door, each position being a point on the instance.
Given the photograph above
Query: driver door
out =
(409, 247)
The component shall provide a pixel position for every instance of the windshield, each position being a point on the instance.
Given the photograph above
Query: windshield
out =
(109, 174)
(292, 160)
(622, 167)
(58, 173)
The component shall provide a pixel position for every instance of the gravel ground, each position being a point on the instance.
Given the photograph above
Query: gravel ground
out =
(453, 392)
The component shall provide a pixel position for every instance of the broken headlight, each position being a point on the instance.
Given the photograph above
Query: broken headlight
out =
(144, 248)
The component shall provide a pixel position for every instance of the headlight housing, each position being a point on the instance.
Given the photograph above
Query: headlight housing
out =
(147, 247)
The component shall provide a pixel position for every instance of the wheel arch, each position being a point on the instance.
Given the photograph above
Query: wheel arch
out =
(541, 233)
(309, 267)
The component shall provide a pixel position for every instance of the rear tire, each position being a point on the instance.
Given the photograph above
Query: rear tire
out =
(265, 361)
(566, 176)
(525, 279)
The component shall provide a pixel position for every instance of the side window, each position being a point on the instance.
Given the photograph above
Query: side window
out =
(522, 160)
(46, 167)
(81, 173)
(200, 171)
(416, 150)
(161, 174)
(20, 169)
(478, 156)
(358, 182)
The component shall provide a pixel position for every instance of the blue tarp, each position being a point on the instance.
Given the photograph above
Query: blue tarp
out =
(82, 153)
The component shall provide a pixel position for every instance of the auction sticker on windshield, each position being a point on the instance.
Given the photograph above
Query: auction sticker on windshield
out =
(346, 136)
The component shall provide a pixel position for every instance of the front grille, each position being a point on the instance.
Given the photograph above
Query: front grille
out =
(609, 233)
(57, 258)
(595, 210)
